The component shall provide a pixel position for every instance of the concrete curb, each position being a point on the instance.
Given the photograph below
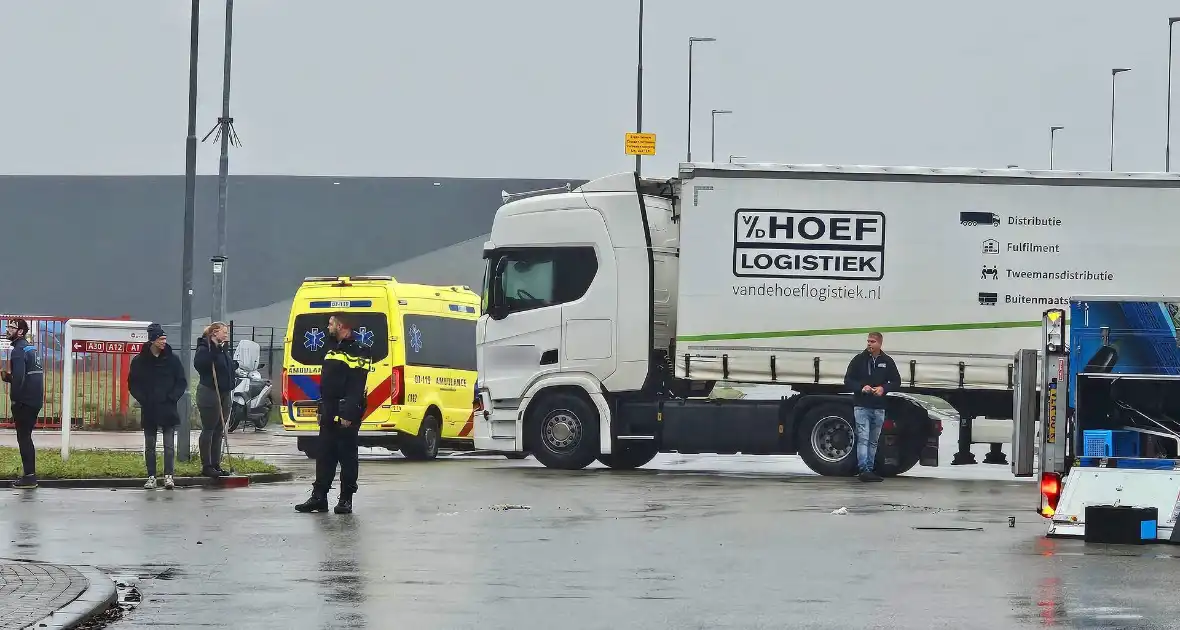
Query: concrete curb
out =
(236, 481)
(98, 597)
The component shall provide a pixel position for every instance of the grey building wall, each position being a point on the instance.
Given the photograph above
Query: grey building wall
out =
(105, 246)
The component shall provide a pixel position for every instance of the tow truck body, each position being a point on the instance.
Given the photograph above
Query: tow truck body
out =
(1108, 417)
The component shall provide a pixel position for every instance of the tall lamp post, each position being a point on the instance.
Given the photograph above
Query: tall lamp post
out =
(691, 41)
(1114, 72)
(226, 133)
(1052, 132)
(639, 87)
(1168, 142)
(190, 185)
(713, 133)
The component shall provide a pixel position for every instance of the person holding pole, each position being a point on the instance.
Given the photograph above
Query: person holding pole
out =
(27, 393)
(215, 367)
(157, 380)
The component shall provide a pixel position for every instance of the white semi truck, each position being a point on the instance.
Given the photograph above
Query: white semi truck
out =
(610, 311)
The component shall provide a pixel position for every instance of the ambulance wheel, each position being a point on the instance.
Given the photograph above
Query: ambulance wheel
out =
(424, 446)
(827, 440)
(561, 431)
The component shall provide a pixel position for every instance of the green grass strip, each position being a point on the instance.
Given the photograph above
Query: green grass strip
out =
(107, 464)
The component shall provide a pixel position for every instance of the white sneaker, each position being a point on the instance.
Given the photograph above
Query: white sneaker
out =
(168, 483)
(151, 484)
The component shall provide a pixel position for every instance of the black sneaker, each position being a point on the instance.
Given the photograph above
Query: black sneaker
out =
(344, 505)
(26, 482)
(869, 475)
(316, 503)
(210, 471)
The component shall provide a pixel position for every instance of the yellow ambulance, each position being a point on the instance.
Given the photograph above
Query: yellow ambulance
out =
(422, 385)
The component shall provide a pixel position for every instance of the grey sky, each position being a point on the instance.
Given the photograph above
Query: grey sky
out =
(536, 88)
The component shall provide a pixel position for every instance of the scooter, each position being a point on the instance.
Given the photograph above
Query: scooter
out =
(250, 397)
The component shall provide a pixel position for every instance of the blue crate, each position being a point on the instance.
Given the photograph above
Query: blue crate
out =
(1106, 443)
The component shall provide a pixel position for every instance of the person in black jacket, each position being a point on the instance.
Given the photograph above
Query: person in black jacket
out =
(870, 375)
(27, 393)
(343, 377)
(213, 396)
(157, 380)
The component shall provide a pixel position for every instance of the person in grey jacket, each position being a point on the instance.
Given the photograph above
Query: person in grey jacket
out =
(27, 392)
(216, 368)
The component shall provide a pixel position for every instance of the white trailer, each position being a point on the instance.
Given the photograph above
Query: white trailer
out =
(610, 309)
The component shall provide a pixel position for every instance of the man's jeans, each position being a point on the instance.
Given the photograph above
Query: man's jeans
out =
(868, 430)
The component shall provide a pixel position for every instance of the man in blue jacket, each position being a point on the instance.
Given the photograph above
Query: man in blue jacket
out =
(26, 390)
(870, 375)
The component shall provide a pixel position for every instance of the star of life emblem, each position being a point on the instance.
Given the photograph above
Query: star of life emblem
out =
(313, 339)
(415, 338)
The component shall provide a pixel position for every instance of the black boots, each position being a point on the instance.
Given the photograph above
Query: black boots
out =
(319, 503)
(316, 503)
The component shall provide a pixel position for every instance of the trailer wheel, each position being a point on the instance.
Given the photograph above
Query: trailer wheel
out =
(562, 431)
(630, 456)
(827, 440)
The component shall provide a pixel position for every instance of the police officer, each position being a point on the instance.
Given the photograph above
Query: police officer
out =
(342, 403)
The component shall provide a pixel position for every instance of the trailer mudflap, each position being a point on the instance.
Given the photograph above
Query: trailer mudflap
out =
(929, 455)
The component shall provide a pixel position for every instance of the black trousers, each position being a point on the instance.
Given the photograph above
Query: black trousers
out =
(25, 419)
(338, 446)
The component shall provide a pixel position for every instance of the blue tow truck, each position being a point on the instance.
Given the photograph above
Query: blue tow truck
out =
(1103, 393)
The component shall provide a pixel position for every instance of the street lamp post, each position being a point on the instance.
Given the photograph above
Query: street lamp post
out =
(1168, 141)
(713, 134)
(1052, 132)
(691, 41)
(190, 185)
(1114, 72)
(639, 87)
(227, 135)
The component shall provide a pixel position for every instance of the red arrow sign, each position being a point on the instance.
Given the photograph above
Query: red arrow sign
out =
(107, 347)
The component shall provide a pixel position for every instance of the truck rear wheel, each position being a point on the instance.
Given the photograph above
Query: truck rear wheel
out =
(562, 431)
(630, 456)
(827, 440)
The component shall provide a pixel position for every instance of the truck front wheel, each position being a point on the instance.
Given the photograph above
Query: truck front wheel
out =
(827, 440)
(562, 431)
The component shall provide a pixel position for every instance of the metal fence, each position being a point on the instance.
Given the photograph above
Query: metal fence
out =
(101, 396)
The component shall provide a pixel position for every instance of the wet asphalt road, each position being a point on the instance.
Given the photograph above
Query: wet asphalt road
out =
(721, 544)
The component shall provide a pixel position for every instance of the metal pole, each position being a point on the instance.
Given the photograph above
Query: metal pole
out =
(691, 41)
(639, 88)
(713, 133)
(190, 184)
(219, 270)
(1168, 141)
(1052, 131)
(689, 142)
(1113, 73)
